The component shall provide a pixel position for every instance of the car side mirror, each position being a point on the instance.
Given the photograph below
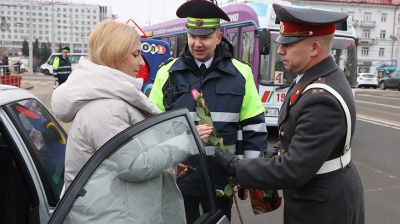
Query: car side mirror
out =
(264, 41)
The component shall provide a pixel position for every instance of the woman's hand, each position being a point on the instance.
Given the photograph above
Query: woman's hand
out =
(204, 130)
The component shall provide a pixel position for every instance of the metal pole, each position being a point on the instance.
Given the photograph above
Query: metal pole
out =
(53, 29)
(30, 38)
(72, 30)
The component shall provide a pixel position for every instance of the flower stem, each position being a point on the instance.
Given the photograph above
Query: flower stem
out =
(237, 208)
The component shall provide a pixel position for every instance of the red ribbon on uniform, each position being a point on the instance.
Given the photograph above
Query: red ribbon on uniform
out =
(295, 95)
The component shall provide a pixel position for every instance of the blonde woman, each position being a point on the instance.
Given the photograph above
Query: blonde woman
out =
(102, 98)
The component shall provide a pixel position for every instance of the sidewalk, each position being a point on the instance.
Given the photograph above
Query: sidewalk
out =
(33, 76)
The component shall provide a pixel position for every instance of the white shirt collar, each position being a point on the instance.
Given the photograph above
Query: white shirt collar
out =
(299, 77)
(206, 63)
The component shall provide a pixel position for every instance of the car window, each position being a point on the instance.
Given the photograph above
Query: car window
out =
(369, 76)
(74, 58)
(47, 144)
(51, 60)
(130, 173)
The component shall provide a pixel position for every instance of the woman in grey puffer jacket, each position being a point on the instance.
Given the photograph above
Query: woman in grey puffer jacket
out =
(102, 98)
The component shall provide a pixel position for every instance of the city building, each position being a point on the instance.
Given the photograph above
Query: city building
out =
(377, 24)
(58, 23)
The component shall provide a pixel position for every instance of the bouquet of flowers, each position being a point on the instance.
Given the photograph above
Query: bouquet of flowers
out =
(205, 118)
(262, 201)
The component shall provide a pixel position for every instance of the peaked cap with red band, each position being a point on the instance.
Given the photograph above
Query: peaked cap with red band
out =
(298, 23)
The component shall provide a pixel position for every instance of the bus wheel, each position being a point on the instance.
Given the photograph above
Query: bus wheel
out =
(382, 85)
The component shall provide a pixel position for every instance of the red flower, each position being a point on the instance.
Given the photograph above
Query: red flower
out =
(196, 94)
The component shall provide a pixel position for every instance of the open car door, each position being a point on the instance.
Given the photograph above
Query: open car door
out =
(155, 130)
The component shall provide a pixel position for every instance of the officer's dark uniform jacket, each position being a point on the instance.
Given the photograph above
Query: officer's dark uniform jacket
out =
(312, 131)
(62, 68)
(231, 97)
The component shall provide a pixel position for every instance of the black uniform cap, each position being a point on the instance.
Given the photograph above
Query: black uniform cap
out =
(203, 16)
(65, 49)
(299, 23)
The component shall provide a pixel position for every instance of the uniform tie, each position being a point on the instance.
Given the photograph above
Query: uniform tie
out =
(202, 67)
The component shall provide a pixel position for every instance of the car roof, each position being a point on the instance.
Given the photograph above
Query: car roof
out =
(9, 94)
(366, 73)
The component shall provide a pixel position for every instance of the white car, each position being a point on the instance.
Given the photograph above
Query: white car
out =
(47, 67)
(367, 80)
(32, 151)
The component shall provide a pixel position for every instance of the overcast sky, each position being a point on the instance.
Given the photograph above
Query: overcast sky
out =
(142, 11)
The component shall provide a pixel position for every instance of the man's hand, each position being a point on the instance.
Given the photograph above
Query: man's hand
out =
(181, 170)
(227, 162)
(204, 130)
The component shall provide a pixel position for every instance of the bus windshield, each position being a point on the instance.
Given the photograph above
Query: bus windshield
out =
(272, 71)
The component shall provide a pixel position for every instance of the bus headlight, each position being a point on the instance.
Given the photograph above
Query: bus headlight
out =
(271, 112)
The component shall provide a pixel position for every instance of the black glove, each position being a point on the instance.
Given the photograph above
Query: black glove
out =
(227, 162)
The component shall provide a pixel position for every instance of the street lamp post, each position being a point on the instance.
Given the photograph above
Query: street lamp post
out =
(53, 29)
(30, 37)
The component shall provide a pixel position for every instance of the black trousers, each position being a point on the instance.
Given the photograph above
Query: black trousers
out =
(192, 207)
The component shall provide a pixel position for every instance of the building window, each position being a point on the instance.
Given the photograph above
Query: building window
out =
(382, 35)
(365, 51)
(383, 17)
(366, 33)
(367, 16)
(381, 52)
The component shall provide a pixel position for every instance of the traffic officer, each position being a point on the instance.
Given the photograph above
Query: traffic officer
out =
(62, 66)
(320, 183)
(207, 64)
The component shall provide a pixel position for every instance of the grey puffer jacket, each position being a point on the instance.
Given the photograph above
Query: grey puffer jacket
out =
(138, 183)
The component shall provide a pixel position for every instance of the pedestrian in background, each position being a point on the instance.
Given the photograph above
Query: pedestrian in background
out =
(320, 182)
(101, 98)
(4, 63)
(62, 66)
(207, 63)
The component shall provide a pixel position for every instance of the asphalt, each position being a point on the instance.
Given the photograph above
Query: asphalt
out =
(34, 76)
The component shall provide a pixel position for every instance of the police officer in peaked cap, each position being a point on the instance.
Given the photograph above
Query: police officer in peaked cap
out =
(314, 167)
(207, 64)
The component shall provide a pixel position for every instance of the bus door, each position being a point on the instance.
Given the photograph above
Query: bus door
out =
(232, 35)
(248, 43)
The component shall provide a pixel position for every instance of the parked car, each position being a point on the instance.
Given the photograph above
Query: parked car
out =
(32, 151)
(367, 80)
(47, 67)
(390, 82)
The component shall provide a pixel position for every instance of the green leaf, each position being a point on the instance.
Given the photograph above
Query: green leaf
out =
(206, 120)
(228, 190)
(200, 112)
(219, 193)
(213, 140)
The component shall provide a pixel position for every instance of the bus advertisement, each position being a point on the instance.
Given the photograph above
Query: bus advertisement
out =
(252, 31)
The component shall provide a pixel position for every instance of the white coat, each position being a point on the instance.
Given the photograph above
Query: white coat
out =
(135, 185)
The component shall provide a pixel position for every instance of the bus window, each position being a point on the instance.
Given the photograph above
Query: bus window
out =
(181, 42)
(272, 71)
(247, 44)
(344, 53)
(232, 35)
(172, 42)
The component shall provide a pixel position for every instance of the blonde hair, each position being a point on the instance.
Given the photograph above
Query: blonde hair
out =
(110, 41)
